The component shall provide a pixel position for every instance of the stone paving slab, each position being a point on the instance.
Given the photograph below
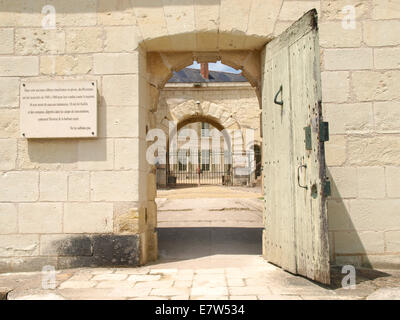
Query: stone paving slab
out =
(220, 212)
(385, 294)
(72, 284)
(223, 223)
(251, 278)
(210, 192)
(212, 263)
(43, 296)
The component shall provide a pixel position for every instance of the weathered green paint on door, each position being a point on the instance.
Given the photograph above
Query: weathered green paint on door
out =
(296, 232)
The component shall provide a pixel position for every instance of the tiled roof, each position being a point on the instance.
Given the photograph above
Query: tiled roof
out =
(188, 75)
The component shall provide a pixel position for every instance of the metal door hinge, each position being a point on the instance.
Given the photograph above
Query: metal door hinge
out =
(327, 188)
(307, 140)
(324, 131)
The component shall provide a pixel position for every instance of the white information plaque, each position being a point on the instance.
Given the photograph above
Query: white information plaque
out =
(58, 109)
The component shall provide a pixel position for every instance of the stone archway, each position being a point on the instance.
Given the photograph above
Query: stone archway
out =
(159, 67)
(219, 115)
(202, 118)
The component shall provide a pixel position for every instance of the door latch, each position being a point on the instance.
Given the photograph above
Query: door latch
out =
(298, 176)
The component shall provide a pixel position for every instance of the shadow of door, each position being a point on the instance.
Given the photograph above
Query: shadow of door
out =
(190, 243)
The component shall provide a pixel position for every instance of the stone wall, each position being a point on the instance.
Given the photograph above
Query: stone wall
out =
(232, 105)
(361, 95)
(103, 188)
(72, 202)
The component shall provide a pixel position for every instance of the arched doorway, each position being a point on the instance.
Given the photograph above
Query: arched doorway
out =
(285, 73)
(206, 160)
(199, 200)
(226, 102)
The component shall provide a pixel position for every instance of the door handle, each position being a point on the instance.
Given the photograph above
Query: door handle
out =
(298, 175)
(276, 97)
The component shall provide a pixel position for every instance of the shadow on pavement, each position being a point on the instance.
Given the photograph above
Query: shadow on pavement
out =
(362, 275)
(190, 243)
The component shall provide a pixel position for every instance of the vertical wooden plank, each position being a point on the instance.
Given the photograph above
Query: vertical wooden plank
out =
(278, 164)
(296, 235)
(311, 235)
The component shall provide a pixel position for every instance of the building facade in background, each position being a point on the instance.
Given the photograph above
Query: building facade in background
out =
(211, 103)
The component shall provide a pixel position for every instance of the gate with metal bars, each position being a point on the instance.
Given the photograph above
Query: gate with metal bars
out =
(208, 168)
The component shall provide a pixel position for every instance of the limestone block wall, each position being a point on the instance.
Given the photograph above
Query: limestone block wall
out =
(76, 202)
(361, 95)
(73, 202)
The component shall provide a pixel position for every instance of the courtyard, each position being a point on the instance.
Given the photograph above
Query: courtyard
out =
(210, 249)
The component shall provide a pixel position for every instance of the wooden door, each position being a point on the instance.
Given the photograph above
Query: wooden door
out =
(295, 185)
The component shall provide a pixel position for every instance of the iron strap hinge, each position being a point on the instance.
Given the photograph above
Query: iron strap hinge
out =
(307, 141)
(327, 188)
(324, 131)
(323, 134)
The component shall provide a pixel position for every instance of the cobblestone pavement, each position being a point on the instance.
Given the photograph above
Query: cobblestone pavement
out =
(216, 277)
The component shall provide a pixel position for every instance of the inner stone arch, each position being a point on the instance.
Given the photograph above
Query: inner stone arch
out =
(215, 123)
(161, 65)
(191, 111)
(200, 118)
